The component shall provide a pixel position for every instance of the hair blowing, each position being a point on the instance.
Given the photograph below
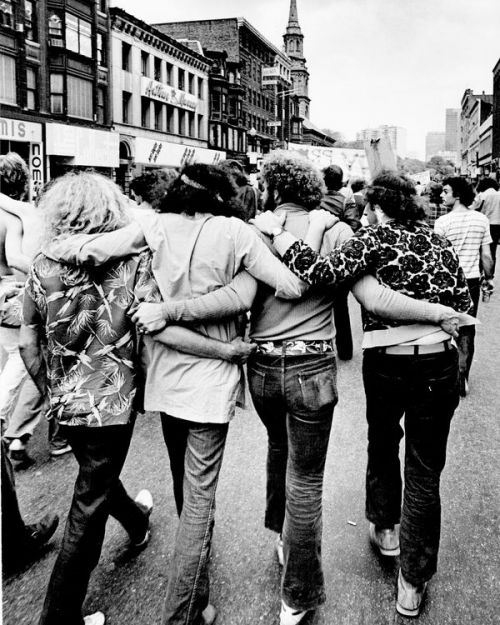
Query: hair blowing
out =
(396, 196)
(84, 202)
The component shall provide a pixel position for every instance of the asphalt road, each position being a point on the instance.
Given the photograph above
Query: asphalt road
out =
(244, 571)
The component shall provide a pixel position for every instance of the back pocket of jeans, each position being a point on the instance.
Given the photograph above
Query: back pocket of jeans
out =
(317, 391)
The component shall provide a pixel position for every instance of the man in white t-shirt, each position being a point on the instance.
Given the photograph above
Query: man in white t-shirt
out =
(469, 232)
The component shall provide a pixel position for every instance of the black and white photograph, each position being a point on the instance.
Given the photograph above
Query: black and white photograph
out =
(249, 308)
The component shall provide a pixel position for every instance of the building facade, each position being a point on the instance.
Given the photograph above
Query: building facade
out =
(160, 99)
(54, 85)
(396, 135)
(475, 110)
(434, 144)
(254, 57)
(496, 118)
(452, 131)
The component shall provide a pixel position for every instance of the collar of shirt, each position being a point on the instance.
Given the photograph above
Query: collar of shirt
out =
(291, 207)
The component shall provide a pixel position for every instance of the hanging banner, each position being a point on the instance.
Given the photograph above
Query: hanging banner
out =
(353, 162)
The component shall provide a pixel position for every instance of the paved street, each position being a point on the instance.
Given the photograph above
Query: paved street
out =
(245, 575)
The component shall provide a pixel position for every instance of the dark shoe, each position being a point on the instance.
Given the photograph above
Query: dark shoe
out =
(40, 533)
(59, 448)
(144, 500)
(386, 540)
(410, 597)
(21, 459)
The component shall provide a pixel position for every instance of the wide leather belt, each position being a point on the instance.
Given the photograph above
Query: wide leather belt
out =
(415, 350)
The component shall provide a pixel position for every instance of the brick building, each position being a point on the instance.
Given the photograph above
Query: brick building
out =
(496, 117)
(251, 58)
(54, 85)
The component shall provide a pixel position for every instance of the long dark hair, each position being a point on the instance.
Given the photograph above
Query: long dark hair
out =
(396, 196)
(203, 188)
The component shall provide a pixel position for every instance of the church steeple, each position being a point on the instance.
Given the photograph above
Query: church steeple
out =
(294, 49)
(293, 36)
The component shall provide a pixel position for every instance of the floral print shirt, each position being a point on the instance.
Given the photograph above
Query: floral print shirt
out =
(406, 257)
(83, 317)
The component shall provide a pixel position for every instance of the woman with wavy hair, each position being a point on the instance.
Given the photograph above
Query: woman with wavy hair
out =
(409, 370)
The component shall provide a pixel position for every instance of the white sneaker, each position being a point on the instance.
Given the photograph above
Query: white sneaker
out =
(387, 540)
(145, 501)
(289, 616)
(97, 618)
(410, 597)
(209, 615)
(278, 546)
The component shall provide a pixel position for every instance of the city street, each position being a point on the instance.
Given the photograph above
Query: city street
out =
(244, 571)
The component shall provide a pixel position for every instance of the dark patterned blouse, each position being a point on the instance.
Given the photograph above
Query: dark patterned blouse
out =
(406, 257)
(84, 319)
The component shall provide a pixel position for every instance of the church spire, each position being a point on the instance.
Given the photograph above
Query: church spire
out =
(293, 27)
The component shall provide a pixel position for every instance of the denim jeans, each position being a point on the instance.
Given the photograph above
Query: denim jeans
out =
(425, 390)
(294, 397)
(100, 453)
(467, 334)
(196, 463)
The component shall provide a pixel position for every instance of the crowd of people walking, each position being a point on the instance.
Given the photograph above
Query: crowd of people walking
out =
(110, 307)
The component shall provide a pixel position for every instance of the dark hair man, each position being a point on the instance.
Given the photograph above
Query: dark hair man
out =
(469, 232)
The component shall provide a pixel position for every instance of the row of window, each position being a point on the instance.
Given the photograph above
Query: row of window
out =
(259, 99)
(221, 104)
(163, 117)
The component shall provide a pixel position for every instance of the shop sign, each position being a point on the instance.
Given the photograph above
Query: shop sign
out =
(36, 169)
(164, 154)
(18, 130)
(270, 75)
(169, 95)
(85, 146)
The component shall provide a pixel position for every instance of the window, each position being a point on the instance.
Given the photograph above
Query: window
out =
(56, 94)
(170, 118)
(190, 82)
(29, 20)
(78, 35)
(182, 122)
(126, 53)
(101, 99)
(7, 79)
(101, 50)
(158, 116)
(200, 127)
(80, 98)
(145, 102)
(126, 107)
(191, 131)
(6, 13)
(144, 63)
(170, 71)
(200, 88)
(182, 79)
(30, 88)
(157, 69)
(55, 26)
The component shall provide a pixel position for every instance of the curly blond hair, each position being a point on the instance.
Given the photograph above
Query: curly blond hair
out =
(294, 178)
(84, 202)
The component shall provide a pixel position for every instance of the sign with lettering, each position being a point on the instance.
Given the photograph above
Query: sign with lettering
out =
(165, 154)
(36, 169)
(85, 146)
(169, 95)
(19, 130)
(353, 162)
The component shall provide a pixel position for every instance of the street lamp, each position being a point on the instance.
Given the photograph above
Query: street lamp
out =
(252, 133)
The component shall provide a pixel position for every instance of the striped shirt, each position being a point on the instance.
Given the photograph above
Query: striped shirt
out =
(467, 230)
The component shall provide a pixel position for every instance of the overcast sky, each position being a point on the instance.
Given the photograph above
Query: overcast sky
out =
(372, 62)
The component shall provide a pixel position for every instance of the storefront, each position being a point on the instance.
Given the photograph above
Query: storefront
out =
(76, 147)
(26, 139)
